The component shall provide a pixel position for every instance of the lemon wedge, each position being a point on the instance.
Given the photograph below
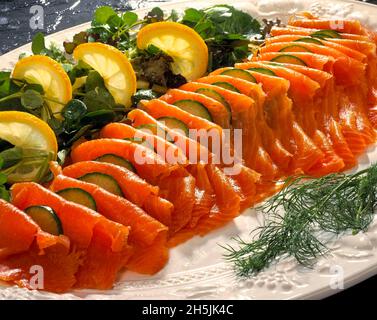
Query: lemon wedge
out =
(114, 67)
(50, 75)
(183, 44)
(35, 141)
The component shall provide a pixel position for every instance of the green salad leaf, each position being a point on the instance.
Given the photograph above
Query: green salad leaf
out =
(226, 30)
(102, 14)
(38, 47)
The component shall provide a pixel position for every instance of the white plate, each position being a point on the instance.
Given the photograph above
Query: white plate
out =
(196, 269)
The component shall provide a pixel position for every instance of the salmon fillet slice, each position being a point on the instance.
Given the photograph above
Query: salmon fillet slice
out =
(104, 242)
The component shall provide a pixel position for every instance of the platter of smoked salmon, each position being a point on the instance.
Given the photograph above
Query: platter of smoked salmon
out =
(214, 151)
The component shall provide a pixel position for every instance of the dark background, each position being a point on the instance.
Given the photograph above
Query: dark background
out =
(61, 14)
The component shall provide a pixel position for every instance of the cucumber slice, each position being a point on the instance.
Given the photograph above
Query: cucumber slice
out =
(239, 73)
(46, 218)
(134, 140)
(141, 141)
(194, 107)
(226, 86)
(152, 128)
(148, 128)
(214, 95)
(294, 48)
(174, 124)
(78, 196)
(288, 58)
(119, 161)
(309, 40)
(104, 181)
(264, 71)
(323, 34)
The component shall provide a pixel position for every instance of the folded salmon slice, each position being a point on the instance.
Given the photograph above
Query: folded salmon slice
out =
(326, 113)
(24, 245)
(364, 51)
(347, 70)
(337, 44)
(147, 236)
(165, 149)
(244, 117)
(277, 108)
(204, 131)
(243, 178)
(346, 26)
(302, 91)
(295, 30)
(233, 191)
(218, 111)
(175, 183)
(344, 108)
(105, 242)
(270, 142)
(352, 101)
(204, 195)
(134, 189)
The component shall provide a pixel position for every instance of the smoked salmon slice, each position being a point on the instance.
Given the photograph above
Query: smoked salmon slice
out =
(228, 202)
(147, 236)
(23, 245)
(337, 44)
(105, 242)
(204, 196)
(325, 103)
(302, 91)
(134, 189)
(244, 114)
(218, 111)
(242, 177)
(328, 112)
(294, 30)
(175, 183)
(241, 184)
(347, 70)
(352, 103)
(343, 26)
(162, 147)
(206, 132)
(271, 143)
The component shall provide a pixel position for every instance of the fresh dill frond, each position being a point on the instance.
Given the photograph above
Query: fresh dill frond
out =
(296, 216)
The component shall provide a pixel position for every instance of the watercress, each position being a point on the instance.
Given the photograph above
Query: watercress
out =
(226, 31)
(4, 193)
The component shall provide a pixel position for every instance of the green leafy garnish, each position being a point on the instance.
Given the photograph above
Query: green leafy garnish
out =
(24, 164)
(147, 94)
(23, 96)
(227, 32)
(4, 193)
(297, 215)
(38, 47)
(154, 67)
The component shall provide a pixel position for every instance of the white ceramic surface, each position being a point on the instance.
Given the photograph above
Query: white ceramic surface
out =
(196, 269)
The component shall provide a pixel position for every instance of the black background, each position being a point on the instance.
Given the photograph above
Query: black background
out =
(61, 14)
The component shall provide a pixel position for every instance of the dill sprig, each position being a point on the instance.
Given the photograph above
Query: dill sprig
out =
(297, 215)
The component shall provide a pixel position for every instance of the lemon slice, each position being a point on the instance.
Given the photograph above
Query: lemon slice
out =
(183, 44)
(36, 140)
(113, 66)
(50, 75)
